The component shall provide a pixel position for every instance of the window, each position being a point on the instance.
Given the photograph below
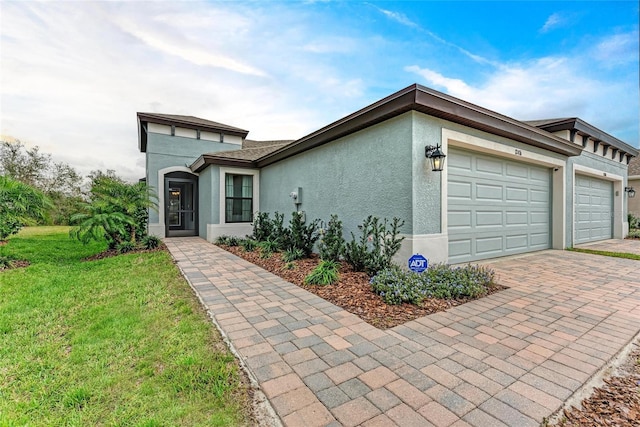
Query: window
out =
(239, 198)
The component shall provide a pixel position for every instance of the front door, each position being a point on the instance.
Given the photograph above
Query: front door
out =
(181, 216)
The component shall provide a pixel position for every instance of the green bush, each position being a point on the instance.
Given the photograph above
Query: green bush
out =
(302, 236)
(438, 281)
(292, 255)
(331, 245)
(126, 246)
(326, 273)
(378, 243)
(20, 205)
(634, 234)
(249, 245)
(151, 242)
(262, 226)
(228, 241)
(634, 222)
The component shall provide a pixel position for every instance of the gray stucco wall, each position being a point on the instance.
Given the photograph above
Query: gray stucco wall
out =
(593, 161)
(209, 189)
(365, 173)
(164, 151)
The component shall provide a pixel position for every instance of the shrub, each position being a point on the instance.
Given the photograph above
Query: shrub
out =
(326, 273)
(20, 205)
(228, 241)
(292, 255)
(249, 245)
(268, 246)
(438, 281)
(151, 242)
(634, 234)
(7, 261)
(377, 245)
(634, 222)
(262, 226)
(331, 245)
(302, 236)
(126, 246)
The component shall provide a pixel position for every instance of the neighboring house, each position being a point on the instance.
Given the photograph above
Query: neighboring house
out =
(634, 182)
(507, 186)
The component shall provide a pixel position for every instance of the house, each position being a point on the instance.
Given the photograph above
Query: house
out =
(507, 186)
(634, 184)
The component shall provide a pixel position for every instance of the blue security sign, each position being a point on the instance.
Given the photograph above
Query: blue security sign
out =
(418, 263)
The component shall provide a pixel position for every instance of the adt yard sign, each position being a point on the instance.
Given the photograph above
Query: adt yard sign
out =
(418, 263)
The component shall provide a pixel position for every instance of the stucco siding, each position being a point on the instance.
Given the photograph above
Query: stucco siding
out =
(365, 173)
(165, 151)
(634, 204)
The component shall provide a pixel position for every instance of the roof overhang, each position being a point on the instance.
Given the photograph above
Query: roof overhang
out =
(145, 118)
(432, 103)
(208, 159)
(582, 128)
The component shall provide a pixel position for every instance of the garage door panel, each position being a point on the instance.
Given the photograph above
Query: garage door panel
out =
(507, 207)
(488, 166)
(488, 192)
(593, 209)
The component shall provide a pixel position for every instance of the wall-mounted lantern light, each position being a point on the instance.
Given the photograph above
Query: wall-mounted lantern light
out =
(631, 193)
(436, 156)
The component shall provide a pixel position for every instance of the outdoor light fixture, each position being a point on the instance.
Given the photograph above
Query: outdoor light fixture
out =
(631, 193)
(436, 156)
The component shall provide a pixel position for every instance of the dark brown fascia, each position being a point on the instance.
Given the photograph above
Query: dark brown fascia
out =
(433, 103)
(586, 130)
(143, 119)
(148, 118)
(208, 159)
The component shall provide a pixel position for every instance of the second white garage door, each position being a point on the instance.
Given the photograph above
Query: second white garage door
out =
(496, 207)
(593, 209)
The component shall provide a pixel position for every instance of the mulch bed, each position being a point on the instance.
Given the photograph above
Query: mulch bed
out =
(16, 264)
(353, 291)
(616, 403)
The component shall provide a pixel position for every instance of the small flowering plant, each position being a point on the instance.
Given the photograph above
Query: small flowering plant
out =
(396, 286)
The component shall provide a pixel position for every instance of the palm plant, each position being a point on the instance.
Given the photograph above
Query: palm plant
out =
(20, 205)
(117, 212)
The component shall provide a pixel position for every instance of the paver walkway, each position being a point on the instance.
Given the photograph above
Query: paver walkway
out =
(511, 358)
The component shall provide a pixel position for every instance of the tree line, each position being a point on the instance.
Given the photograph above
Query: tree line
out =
(36, 190)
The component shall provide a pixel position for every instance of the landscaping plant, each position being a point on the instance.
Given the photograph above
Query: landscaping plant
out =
(117, 212)
(442, 281)
(377, 245)
(326, 273)
(302, 236)
(292, 255)
(20, 205)
(331, 245)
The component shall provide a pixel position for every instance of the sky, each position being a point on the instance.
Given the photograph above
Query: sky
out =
(73, 74)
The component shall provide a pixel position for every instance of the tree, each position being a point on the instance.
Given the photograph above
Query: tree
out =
(59, 181)
(20, 205)
(117, 211)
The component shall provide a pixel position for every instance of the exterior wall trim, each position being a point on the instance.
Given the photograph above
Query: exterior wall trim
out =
(158, 229)
(620, 224)
(239, 229)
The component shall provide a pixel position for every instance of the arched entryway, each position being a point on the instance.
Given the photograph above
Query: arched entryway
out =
(181, 204)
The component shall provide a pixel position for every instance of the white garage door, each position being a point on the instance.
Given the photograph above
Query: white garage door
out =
(496, 207)
(593, 209)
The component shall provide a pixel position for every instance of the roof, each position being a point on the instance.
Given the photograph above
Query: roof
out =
(427, 101)
(577, 126)
(188, 122)
(251, 151)
(634, 167)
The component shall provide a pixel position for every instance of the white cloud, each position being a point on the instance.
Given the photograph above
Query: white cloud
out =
(555, 20)
(618, 49)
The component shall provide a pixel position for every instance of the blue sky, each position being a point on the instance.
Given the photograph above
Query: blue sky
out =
(73, 74)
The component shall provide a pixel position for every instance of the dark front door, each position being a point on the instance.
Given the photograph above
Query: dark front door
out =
(181, 211)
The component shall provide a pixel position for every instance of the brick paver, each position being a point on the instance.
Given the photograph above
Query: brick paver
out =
(511, 358)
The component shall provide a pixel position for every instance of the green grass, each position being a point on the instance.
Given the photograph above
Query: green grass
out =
(120, 341)
(606, 253)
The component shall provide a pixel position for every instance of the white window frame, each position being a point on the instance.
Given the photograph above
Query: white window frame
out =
(255, 173)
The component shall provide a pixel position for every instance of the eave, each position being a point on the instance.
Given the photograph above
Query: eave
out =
(432, 103)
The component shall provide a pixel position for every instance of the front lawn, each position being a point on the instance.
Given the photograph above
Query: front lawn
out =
(116, 341)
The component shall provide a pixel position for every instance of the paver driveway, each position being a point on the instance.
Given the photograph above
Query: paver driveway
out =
(508, 359)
